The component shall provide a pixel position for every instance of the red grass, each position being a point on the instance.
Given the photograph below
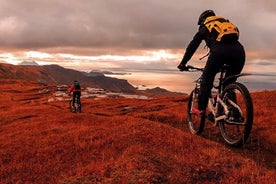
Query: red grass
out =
(125, 141)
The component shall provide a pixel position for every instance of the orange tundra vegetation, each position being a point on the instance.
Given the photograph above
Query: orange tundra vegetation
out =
(118, 140)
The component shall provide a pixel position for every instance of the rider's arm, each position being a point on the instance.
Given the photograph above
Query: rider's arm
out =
(194, 44)
(71, 89)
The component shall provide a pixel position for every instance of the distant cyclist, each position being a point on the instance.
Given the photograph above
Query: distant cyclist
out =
(76, 89)
(224, 49)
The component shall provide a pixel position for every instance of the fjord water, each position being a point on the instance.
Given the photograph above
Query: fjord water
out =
(176, 81)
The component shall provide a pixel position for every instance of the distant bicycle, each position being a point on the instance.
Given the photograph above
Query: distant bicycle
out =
(77, 106)
(229, 107)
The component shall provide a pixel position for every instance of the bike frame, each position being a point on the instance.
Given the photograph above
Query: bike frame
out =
(213, 108)
(76, 105)
(229, 104)
(215, 101)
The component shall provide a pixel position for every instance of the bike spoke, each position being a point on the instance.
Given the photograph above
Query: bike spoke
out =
(236, 128)
(195, 122)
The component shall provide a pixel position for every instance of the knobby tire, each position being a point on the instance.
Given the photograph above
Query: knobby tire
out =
(195, 122)
(235, 134)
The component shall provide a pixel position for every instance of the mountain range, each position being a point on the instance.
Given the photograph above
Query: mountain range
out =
(57, 75)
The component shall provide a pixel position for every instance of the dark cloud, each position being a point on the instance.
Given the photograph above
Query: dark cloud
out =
(127, 24)
(97, 23)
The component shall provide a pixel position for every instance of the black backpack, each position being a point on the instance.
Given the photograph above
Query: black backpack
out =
(77, 86)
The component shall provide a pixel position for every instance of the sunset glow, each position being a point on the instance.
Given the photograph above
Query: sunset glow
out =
(38, 55)
(44, 58)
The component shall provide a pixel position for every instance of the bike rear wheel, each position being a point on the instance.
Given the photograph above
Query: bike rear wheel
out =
(236, 128)
(75, 107)
(78, 105)
(195, 122)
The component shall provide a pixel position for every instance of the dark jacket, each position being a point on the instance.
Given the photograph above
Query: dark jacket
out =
(202, 34)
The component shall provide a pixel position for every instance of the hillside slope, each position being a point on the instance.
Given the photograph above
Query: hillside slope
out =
(124, 141)
(54, 74)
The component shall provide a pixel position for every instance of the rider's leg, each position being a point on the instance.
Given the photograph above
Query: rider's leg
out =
(79, 94)
(208, 76)
(232, 54)
(235, 59)
(74, 97)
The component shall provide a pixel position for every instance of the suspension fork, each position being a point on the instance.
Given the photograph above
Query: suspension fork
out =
(195, 96)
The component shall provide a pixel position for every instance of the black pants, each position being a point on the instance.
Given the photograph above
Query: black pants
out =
(232, 54)
(74, 96)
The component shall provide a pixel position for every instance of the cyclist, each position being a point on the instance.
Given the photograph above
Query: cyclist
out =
(230, 52)
(76, 89)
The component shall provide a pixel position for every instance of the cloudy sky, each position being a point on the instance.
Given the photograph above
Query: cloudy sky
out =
(137, 34)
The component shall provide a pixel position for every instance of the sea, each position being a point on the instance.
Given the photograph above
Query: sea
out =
(176, 81)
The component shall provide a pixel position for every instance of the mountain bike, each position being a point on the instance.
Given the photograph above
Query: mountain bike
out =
(77, 106)
(229, 107)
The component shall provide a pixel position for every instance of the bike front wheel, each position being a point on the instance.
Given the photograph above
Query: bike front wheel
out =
(195, 122)
(71, 106)
(236, 127)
